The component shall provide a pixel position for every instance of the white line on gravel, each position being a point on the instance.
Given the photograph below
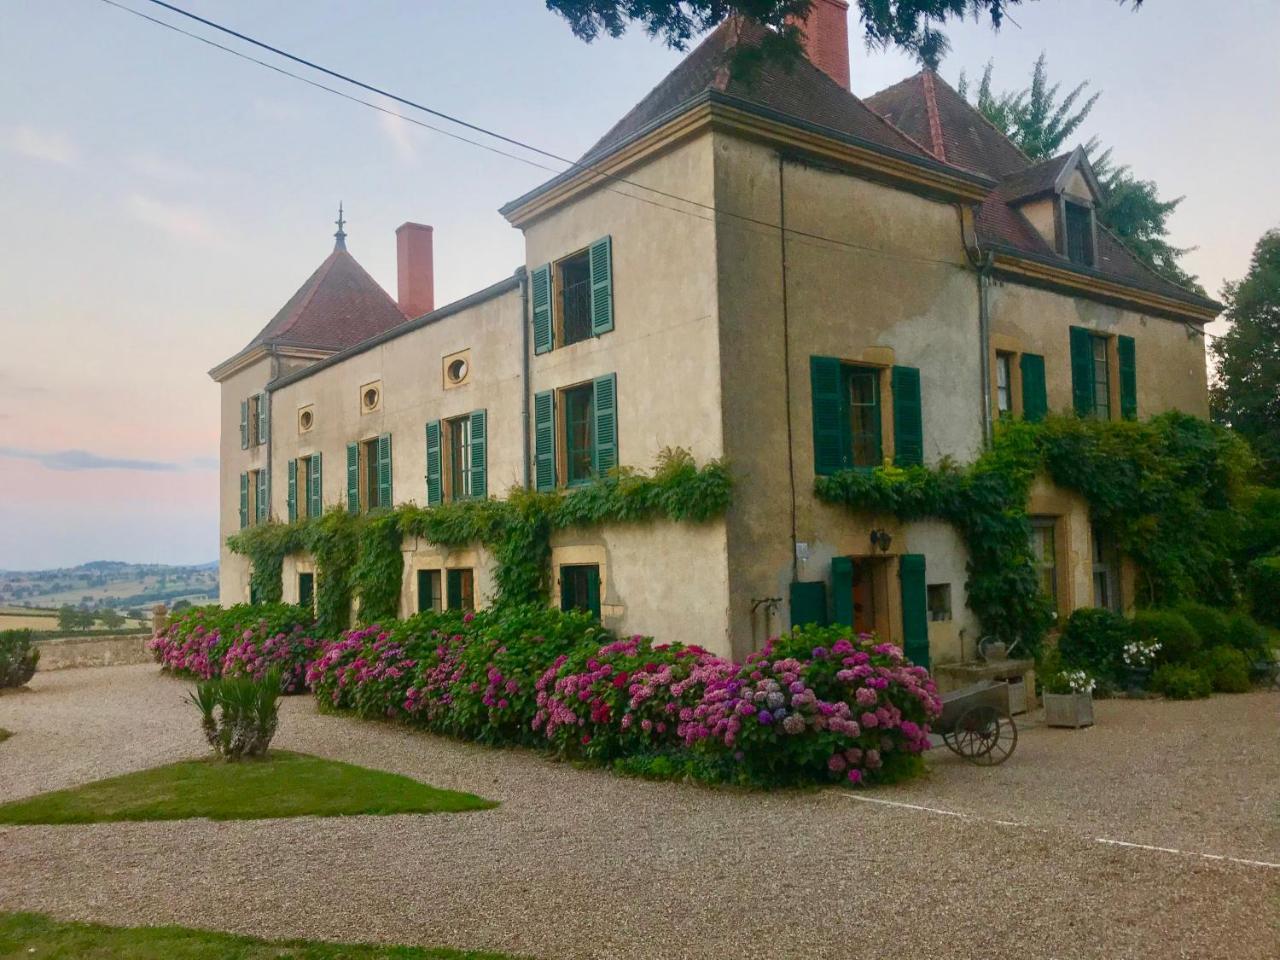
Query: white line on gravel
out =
(938, 811)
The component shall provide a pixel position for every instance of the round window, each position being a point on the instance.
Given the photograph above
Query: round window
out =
(371, 398)
(457, 371)
(306, 419)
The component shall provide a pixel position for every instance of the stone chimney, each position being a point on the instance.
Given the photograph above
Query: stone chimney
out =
(826, 38)
(415, 269)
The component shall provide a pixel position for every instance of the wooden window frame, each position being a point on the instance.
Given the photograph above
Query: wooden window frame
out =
(437, 596)
(586, 569)
(448, 466)
(1051, 524)
(848, 371)
(562, 432)
(467, 587)
(558, 290)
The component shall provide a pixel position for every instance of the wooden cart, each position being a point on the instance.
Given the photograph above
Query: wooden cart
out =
(976, 724)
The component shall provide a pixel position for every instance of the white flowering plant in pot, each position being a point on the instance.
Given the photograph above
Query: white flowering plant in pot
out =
(1141, 654)
(1068, 698)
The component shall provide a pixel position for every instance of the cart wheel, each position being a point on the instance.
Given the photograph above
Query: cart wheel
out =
(985, 736)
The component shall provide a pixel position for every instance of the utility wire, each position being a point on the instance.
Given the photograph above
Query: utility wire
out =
(716, 212)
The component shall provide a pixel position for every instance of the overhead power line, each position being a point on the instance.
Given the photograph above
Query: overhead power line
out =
(715, 212)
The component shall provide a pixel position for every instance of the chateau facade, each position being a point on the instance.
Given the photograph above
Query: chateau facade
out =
(766, 270)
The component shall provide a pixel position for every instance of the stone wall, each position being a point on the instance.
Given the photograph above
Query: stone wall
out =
(93, 651)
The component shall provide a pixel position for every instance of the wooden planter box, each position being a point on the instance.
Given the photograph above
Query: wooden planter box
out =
(1068, 710)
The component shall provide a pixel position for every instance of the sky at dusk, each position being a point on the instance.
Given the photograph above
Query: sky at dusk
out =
(161, 199)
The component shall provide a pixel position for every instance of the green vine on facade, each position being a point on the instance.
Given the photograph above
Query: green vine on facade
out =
(361, 555)
(1168, 490)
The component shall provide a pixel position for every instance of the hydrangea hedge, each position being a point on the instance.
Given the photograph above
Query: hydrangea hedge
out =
(242, 641)
(814, 706)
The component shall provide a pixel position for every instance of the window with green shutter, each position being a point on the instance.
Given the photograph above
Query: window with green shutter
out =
(262, 499)
(479, 454)
(291, 494)
(544, 440)
(579, 433)
(1035, 397)
(353, 478)
(458, 431)
(315, 486)
(1083, 397)
(862, 401)
(605, 439)
(808, 603)
(264, 420)
(842, 590)
(435, 475)
(1128, 363)
(601, 256)
(384, 472)
(908, 418)
(244, 500)
(244, 424)
(540, 302)
(429, 593)
(460, 589)
(915, 608)
(830, 433)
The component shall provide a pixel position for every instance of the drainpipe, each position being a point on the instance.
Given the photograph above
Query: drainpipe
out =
(982, 262)
(786, 358)
(525, 321)
(271, 427)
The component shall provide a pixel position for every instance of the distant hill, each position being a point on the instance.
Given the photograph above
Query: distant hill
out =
(109, 584)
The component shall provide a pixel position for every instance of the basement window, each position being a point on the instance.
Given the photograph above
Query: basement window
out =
(939, 601)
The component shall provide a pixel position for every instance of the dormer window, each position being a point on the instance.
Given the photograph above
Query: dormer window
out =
(1078, 223)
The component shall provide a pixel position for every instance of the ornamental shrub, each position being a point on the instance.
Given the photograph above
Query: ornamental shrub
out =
(1179, 642)
(1264, 590)
(239, 715)
(245, 640)
(1227, 669)
(819, 704)
(1179, 682)
(1093, 640)
(18, 657)
(1248, 636)
(1211, 625)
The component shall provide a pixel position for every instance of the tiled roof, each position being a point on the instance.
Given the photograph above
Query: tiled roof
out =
(929, 110)
(338, 306)
(800, 90)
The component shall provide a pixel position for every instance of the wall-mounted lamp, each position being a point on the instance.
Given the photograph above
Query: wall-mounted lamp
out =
(881, 540)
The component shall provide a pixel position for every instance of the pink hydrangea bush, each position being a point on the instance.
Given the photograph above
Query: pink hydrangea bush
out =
(246, 640)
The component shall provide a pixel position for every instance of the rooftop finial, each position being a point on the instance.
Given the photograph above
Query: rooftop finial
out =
(340, 238)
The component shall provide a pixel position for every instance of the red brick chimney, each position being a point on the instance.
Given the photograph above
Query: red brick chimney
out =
(415, 270)
(826, 38)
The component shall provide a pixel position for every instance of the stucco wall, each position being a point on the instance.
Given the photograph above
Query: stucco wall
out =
(1170, 356)
(233, 570)
(890, 286)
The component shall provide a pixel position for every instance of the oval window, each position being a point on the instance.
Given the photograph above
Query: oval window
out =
(457, 371)
(371, 398)
(306, 419)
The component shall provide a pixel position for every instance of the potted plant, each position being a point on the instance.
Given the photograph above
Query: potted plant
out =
(1068, 699)
(1139, 658)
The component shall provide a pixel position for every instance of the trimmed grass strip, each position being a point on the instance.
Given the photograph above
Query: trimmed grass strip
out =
(283, 785)
(25, 935)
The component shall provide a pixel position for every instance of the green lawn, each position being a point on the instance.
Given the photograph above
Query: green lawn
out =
(29, 935)
(284, 785)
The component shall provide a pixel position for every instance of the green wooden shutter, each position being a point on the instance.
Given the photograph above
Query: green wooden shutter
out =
(915, 609)
(315, 486)
(808, 603)
(600, 258)
(291, 496)
(384, 470)
(244, 500)
(542, 319)
(1082, 371)
(263, 504)
(244, 424)
(435, 488)
(831, 441)
(264, 421)
(1035, 396)
(353, 478)
(842, 590)
(1125, 352)
(544, 440)
(593, 591)
(605, 453)
(479, 454)
(454, 589)
(908, 418)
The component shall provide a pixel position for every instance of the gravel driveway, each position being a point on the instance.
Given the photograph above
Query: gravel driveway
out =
(581, 863)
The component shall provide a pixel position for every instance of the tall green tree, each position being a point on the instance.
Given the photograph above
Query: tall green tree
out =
(1043, 124)
(1247, 394)
(912, 25)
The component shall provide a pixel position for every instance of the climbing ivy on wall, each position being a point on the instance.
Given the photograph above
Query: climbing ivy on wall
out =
(361, 555)
(1168, 490)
